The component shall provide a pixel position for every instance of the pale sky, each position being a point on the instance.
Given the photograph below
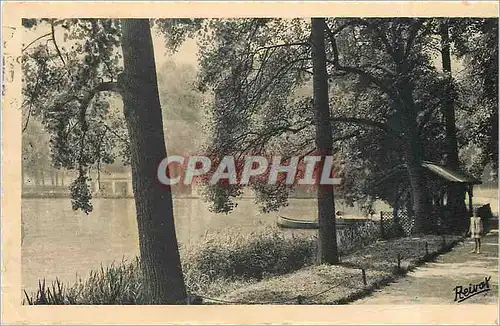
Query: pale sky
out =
(187, 53)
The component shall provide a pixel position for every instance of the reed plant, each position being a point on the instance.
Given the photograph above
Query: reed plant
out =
(220, 262)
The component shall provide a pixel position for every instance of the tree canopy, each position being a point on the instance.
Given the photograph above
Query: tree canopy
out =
(386, 97)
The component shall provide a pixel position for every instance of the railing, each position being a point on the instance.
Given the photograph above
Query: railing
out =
(391, 226)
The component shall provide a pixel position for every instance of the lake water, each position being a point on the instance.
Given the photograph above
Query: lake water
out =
(59, 242)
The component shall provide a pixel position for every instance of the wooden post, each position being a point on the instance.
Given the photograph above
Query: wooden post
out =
(363, 273)
(399, 261)
(382, 225)
(470, 199)
(426, 248)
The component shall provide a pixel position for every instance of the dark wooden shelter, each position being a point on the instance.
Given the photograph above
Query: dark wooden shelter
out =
(449, 176)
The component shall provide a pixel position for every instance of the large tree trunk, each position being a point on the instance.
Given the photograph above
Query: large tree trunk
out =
(413, 155)
(327, 246)
(160, 260)
(420, 197)
(456, 192)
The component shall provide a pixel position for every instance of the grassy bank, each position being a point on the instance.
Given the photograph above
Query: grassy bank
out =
(266, 264)
(220, 263)
(357, 275)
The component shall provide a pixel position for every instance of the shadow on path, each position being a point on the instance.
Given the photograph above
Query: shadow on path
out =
(435, 282)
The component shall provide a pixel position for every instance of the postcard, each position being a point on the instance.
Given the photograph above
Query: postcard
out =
(250, 162)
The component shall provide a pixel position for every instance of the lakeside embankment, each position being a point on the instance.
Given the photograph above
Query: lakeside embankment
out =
(260, 267)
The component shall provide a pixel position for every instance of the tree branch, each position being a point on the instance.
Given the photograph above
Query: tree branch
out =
(52, 29)
(352, 70)
(366, 122)
(27, 120)
(268, 47)
(384, 69)
(108, 87)
(32, 98)
(32, 42)
(411, 38)
(346, 137)
(380, 35)
(340, 28)
(282, 71)
(426, 117)
(102, 87)
(115, 133)
(363, 22)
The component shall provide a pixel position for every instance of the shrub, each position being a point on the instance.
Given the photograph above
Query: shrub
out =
(357, 236)
(220, 262)
(236, 256)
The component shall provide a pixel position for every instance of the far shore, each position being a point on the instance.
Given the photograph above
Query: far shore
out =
(120, 196)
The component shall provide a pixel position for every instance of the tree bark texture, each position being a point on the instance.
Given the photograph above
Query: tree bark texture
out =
(327, 237)
(456, 192)
(160, 259)
(413, 155)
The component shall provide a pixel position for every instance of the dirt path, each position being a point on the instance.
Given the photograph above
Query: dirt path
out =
(434, 283)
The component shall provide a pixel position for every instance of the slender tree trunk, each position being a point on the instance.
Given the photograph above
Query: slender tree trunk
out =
(327, 246)
(160, 260)
(456, 192)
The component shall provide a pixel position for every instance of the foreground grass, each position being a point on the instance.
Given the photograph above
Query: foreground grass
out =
(221, 263)
(381, 262)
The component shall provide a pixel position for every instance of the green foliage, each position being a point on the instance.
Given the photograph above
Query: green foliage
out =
(234, 255)
(80, 194)
(476, 43)
(61, 88)
(382, 73)
(252, 67)
(70, 81)
(181, 107)
(259, 73)
(35, 149)
(55, 294)
(115, 284)
(176, 30)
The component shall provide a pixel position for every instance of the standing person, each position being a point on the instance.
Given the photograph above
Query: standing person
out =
(476, 230)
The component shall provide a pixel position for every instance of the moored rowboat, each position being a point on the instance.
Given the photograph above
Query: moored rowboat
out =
(290, 223)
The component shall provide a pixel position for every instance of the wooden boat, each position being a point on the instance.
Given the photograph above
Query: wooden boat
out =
(290, 223)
